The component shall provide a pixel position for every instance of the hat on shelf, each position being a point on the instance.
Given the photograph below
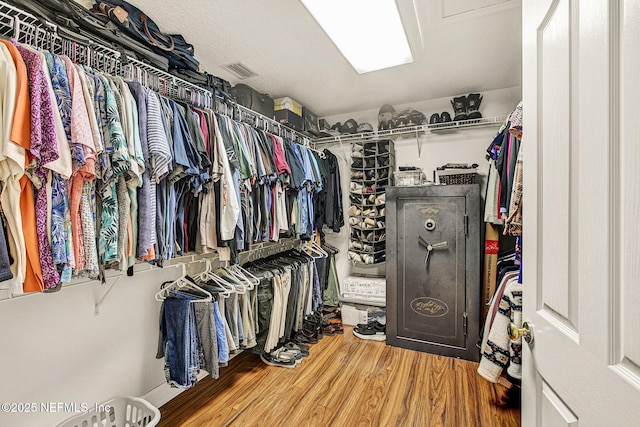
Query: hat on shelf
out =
(385, 117)
(365, 127)
(350, 126)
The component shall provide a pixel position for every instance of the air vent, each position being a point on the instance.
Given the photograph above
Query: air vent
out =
(240, 70)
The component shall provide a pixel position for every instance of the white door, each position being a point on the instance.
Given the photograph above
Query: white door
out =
(581, 259)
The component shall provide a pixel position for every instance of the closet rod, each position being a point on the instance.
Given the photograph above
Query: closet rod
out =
(16, 22)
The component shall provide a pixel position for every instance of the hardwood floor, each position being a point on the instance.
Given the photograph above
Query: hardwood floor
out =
(344, 382)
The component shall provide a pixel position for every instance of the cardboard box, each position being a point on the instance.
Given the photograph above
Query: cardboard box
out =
(286, 103)
(290, 119)
(491, 249)
(311, 124)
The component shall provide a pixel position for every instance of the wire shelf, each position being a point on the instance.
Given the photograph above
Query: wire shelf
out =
(414, 130)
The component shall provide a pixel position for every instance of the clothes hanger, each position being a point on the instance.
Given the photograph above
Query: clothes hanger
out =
(231, 280)
(251, 282)
(182, 282)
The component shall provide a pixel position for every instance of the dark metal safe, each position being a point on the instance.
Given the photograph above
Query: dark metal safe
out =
(433, 269)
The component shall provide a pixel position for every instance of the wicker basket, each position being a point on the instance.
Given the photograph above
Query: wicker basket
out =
(457, 176)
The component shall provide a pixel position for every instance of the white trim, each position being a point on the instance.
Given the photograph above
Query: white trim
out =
(164, 392)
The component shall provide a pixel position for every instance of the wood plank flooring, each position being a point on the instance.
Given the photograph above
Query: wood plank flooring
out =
(344, 382)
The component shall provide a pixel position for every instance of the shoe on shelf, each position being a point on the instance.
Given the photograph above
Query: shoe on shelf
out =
(356, 188)
(355, 257)
(356, 147)
(371, 212)
(473, 106)
(368, 259)
(354, 221)
(370, 222)
(354, 244)
(355, 154)
(382, 212)
(459, 105)
(353, 211)
(369, 174)
(383, 147)
(379, 200)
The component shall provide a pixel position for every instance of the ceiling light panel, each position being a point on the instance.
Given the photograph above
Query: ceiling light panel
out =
(368, 33)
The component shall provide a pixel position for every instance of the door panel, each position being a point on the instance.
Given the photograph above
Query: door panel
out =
(554, 51)
(627, 328)
(554, 412)
(581, 252)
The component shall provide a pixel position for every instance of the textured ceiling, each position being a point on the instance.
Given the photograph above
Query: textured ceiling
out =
(468, 50)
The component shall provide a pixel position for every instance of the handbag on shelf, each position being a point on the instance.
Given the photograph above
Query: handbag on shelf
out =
(248, 97)
(139, 26)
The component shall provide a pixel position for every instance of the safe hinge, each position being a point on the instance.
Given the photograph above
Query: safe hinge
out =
(464, 322)
(466, 225)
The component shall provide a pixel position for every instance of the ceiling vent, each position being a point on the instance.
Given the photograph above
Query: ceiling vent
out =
(241, 70)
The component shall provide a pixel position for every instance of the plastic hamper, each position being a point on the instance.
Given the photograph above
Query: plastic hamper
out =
(124, 411)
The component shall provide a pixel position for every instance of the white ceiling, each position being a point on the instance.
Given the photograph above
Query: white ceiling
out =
(459, 46)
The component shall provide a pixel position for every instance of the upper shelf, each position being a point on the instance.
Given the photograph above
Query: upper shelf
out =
(413, 130)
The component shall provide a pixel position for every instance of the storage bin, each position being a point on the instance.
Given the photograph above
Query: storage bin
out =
(409, 178)
(457, 176)
(124, 411)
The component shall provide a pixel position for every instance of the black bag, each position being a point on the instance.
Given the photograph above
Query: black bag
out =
(217, 85)
(78, 24)
(138, 25)
(248, 97)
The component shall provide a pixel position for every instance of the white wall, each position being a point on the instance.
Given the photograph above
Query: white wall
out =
(466, 145)
(55, 349)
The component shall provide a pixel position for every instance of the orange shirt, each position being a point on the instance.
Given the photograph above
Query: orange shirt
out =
(21, 135)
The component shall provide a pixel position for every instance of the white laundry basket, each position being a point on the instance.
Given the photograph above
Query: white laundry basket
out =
(123, 411)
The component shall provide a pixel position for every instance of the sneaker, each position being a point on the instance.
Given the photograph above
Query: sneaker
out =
(373, 324)
(367, 333)
(354, 221)
(275, 360)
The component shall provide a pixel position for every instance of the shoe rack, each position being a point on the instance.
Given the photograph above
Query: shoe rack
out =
(372, 164)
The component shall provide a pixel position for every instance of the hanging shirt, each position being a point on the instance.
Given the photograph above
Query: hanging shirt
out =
(21, 136)
(229, 203)
(12, 162)
(159, 150)
(45, 150)
(81, 136)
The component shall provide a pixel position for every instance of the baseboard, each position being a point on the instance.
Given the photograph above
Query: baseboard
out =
(164, 392)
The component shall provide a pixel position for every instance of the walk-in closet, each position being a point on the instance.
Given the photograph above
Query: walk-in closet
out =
(322, 213)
